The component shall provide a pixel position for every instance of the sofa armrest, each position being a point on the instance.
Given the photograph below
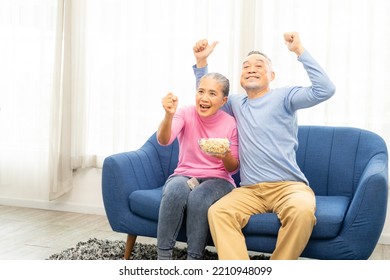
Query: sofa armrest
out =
(124, 173)
(366, 215)
(118, 182)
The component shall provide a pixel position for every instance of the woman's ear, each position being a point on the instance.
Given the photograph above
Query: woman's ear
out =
(225, 98)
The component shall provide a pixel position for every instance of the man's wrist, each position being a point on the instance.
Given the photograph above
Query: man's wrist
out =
(201, 63)
(300, 51)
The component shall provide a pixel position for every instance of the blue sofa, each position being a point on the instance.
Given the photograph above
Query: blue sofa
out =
(347, 168)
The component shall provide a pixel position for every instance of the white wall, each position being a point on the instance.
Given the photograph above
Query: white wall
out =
(385, 237)
(86, 197)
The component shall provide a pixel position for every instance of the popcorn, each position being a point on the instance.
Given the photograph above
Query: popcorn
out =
(214, 146)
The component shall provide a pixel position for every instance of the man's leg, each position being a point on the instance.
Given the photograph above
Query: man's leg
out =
(296, 210)
(228, 216)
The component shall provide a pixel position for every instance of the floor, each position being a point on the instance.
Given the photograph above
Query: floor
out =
(35, 234)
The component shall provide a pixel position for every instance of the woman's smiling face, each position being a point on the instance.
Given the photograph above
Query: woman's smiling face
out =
(209, 97)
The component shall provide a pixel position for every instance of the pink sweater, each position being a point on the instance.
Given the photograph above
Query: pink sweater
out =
(189, 127)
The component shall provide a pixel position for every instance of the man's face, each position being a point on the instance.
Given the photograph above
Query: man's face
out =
(256, 73)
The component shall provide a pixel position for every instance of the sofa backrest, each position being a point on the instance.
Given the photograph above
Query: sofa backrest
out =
(332, 158)
(163, 159)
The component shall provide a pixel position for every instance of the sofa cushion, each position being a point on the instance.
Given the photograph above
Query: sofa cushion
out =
(331, 211)
(146, 203)
(330, 214)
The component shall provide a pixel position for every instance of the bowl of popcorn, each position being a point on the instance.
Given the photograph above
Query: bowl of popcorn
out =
(214, 146)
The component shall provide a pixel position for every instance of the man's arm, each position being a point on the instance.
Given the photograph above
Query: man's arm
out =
(322, 87)
(199, 73)
(202, 50)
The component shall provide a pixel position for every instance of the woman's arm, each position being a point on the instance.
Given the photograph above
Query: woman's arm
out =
(164, 131)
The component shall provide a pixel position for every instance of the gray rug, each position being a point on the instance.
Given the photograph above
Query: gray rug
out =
(96, 249)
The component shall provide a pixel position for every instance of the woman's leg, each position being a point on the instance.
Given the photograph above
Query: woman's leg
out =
(172, 208)
(199, 201)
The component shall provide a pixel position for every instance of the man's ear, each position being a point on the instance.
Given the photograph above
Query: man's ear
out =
(272, 75)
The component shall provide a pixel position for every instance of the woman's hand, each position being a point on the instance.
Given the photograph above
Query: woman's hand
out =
(170, 102)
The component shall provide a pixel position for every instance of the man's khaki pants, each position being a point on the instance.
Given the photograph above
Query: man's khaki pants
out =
(293, 202)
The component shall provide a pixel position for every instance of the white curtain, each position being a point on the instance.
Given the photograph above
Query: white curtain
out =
(83, 79)
(65, 72)
(135, 53)
(27, 45)
(351, 39)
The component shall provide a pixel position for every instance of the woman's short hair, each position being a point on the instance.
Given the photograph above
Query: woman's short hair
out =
(220, 79)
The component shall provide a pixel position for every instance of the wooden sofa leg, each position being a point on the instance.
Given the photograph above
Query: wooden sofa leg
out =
(129, 245)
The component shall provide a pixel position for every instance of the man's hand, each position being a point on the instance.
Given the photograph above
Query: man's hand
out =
(293, 42)
(202, 50)
(169, 103)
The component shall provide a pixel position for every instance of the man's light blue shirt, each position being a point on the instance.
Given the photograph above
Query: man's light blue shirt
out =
(268, 127)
